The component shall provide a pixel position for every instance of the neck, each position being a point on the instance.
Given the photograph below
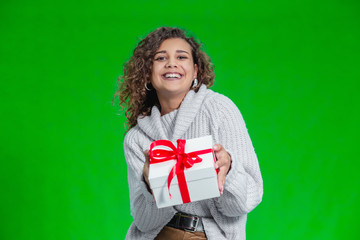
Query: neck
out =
(170, 103)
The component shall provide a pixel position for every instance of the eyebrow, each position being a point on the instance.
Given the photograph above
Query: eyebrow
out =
(178, 51)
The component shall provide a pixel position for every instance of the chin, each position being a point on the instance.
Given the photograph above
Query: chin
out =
(173, 90)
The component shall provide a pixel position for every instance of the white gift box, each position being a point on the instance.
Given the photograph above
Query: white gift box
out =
(201, 178)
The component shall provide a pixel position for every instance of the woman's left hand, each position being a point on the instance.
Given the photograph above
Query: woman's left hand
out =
(223, 163)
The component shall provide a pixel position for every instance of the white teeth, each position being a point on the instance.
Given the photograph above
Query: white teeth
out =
(172, 75)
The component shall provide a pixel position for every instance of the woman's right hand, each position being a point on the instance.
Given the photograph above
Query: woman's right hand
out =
(146, 170)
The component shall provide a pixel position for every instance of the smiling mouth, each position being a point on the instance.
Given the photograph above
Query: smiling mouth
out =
(172, 75)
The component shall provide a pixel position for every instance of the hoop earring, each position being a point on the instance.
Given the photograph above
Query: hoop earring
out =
(195, 83)
(146, 86)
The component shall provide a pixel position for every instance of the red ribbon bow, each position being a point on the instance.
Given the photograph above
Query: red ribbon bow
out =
(184, 160)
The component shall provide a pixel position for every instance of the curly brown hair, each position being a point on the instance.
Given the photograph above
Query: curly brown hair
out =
(138, 69)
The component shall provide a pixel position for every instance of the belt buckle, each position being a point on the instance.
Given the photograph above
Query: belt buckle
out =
(193, 229)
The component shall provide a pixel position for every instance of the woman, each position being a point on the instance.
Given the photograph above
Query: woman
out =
(165, 90)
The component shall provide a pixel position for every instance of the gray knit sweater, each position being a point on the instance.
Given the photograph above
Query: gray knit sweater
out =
(202, 113)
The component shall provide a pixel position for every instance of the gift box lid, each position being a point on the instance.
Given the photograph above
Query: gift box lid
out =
(159, 172)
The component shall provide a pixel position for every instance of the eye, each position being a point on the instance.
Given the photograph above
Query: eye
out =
(160, 58)
(182, 57)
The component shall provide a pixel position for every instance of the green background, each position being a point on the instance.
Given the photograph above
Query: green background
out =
(292, 67)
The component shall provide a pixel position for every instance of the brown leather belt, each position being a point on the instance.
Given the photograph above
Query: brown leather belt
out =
(184, 221)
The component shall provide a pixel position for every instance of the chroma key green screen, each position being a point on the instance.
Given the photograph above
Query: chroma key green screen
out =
(292, 68)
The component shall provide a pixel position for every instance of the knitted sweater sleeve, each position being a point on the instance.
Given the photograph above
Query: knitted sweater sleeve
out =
(147, 217)
(243, 188)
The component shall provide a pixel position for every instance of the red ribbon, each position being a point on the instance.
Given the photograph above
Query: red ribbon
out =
(184, 160)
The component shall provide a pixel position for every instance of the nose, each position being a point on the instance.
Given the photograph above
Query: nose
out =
(171, 63)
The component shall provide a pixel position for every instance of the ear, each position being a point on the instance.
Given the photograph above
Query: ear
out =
(196, 70)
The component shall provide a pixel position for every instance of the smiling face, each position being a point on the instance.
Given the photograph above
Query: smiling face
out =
(173, 69)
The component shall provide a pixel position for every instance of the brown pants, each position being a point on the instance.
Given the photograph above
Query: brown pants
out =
(170, 233)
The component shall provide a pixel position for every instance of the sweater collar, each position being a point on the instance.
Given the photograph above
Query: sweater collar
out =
(190, 106)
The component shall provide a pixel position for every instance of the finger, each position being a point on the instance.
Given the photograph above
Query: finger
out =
(222, 161)
(217, 147)
(147, 156)
(222, 156)
(219, 151)
(146, 163)
(221, 179)
(146, 166)
(146, 153)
